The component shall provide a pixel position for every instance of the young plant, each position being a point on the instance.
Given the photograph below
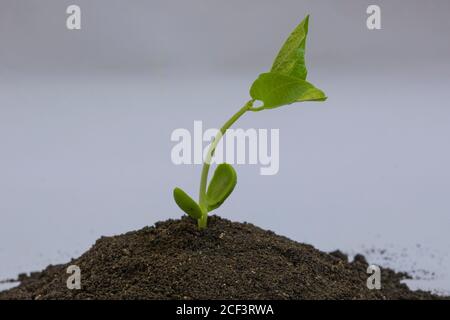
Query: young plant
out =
(283, 85)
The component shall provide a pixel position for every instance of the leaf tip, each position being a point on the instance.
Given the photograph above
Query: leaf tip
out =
(306, 22)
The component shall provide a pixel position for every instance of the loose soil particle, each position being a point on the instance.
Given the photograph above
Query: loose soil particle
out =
(228, 260)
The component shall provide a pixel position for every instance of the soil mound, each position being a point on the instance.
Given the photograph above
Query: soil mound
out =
(228, 260)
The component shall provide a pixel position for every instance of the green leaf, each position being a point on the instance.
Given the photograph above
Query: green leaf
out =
(276, 90)
(187, 204)
(221, 185)
(290, 60)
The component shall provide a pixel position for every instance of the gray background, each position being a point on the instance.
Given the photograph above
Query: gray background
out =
(86, 118)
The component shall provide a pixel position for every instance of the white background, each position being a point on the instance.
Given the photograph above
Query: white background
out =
(86, 118)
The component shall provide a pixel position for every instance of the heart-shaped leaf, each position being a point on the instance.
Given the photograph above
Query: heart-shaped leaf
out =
(222, 184)
(187, 204)
(276, 90)
(290, 60)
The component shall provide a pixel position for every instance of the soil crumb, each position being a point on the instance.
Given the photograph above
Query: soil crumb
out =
(228, 260)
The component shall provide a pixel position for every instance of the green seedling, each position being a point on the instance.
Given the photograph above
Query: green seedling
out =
(283, 85)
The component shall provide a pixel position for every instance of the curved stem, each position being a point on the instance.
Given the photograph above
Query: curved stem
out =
(207, 163)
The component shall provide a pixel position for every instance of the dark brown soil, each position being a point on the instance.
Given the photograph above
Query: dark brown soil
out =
(228, 260)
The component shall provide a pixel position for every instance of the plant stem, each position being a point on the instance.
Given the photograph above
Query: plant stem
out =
(207, 162)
